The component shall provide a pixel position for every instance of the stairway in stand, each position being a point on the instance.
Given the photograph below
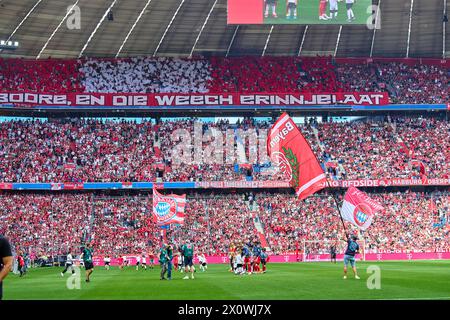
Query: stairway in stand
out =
(259, 227)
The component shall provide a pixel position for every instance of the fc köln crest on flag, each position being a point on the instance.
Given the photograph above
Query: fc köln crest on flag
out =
(359, 209)
(291, 153)
(168, 209)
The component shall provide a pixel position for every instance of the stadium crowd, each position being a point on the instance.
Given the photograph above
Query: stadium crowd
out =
(408, 223)
(91, 150)
(405, 82)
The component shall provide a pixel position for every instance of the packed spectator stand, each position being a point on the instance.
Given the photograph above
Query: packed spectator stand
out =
(406, 82)
(93, 150)
(52, 224)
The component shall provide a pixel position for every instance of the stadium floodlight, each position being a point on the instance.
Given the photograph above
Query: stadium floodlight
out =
(9, 45)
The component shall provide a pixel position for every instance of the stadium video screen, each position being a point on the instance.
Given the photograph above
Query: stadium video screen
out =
(356, 12)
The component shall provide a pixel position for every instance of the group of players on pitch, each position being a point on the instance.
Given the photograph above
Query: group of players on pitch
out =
(246, 258)
(291, 9)
(180, 261)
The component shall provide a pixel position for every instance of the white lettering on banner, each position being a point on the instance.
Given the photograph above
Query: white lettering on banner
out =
(281, 135)
(124, 99)
(182, 100)
(226, 100)
(197, 100)
(164, 100)
(129, 100)
(89, 100)
(31, 98)
(179, 100)
(324, 99)
(211, 100)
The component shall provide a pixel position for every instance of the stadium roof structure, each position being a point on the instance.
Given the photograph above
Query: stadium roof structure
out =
(409, 28)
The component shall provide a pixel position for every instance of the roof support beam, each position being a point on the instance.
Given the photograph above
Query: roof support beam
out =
(267, 41)
(56, 30)
(303, 41)
(232, 40)
(443, 29)
(376, 26)
(168, 27)
(409, 28)
(22, 21)
(96, 28)
(203, 26)
(132, 28)
(337, 41)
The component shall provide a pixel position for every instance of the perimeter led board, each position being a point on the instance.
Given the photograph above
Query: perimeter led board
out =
(341, 12)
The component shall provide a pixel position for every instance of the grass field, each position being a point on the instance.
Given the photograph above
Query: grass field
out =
(399, 280)
(308, 13)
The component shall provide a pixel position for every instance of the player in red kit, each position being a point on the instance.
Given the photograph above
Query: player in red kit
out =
(256, 263)
(322, 10)
(270, 4)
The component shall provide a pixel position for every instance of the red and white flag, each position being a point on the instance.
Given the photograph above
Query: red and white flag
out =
(359, 209)
(291, 153)
(168, 209)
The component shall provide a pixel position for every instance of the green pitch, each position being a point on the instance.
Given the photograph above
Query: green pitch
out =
(308, 13)
(399, 280)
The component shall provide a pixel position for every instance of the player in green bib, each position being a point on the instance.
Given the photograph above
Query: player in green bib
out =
(188, 254)
(86, 255)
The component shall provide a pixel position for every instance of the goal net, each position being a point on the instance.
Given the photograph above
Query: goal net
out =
(320, 250)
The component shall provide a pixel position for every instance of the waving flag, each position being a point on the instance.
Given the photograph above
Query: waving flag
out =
(359, 209)
(291, 153)
(168, 209)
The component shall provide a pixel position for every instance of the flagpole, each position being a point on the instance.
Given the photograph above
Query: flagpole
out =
(337, 208)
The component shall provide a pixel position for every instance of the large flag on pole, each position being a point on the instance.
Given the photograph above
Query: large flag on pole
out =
(168, 209)
(359, 209)
(292, 154)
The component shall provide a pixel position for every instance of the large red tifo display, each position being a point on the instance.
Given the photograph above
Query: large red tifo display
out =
(164, 100)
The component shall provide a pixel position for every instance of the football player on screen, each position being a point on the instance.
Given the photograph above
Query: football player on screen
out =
(270, 4)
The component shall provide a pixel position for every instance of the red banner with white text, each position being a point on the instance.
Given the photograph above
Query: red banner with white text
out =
(30, 99)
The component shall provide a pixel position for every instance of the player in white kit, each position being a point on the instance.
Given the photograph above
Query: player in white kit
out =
(107, 261)
(291, 6)
(138, 262)
(350, 14)
(203, 262)
(144, 261)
